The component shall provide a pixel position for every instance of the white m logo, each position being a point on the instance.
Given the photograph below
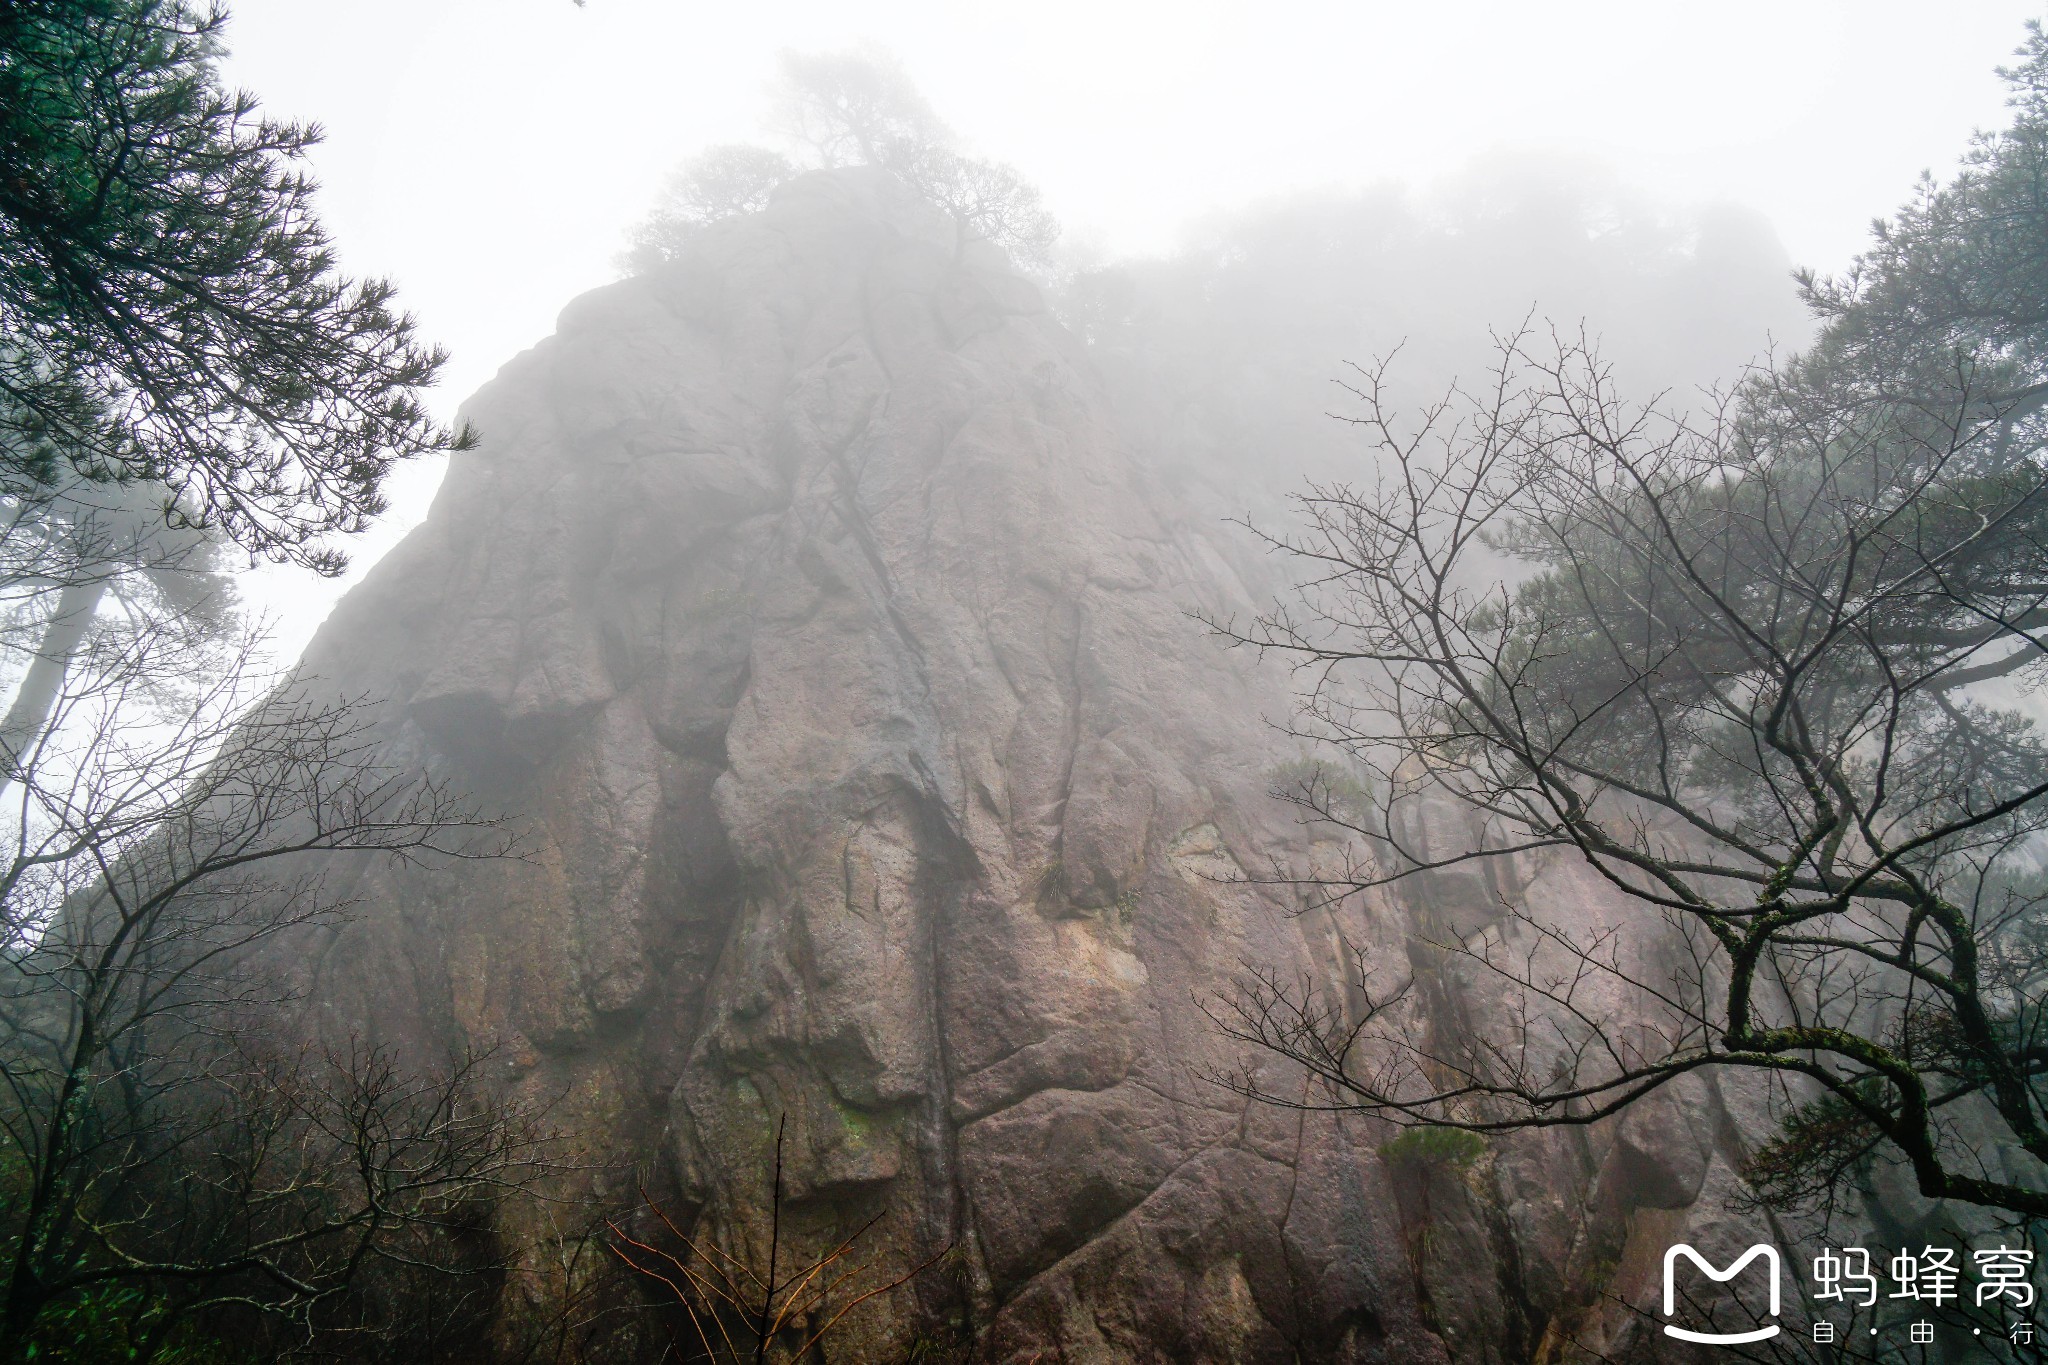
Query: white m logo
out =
(1770, 1255)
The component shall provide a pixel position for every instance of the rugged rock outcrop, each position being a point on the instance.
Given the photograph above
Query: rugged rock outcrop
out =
(809, 606)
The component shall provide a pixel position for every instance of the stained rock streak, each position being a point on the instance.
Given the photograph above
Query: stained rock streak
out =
(809, 605)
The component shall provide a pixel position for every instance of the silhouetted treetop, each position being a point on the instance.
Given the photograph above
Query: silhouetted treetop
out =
(852, 108)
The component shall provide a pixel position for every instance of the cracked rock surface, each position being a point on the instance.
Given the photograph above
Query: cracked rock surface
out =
(810, 608)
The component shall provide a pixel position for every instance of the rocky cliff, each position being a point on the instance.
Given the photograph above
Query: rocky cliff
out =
(808, 604)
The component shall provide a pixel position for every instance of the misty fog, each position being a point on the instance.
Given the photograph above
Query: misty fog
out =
(1138, 130)
(1069, 683)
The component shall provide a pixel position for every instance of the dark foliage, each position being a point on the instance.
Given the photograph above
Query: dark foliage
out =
(170, 308)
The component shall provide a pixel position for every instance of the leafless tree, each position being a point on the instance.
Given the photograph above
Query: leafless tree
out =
(1765, 671)
(159, 1134)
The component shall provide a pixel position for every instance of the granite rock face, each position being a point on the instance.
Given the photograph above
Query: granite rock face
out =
(809, 605)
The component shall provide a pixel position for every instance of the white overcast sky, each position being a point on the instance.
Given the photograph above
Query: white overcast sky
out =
(487, 154)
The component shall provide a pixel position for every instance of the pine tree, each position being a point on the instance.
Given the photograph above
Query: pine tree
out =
(170, 308)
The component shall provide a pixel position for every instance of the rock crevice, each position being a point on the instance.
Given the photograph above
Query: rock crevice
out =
(808, 602)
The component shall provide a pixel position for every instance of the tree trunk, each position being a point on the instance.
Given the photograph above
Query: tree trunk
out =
(44, 682)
